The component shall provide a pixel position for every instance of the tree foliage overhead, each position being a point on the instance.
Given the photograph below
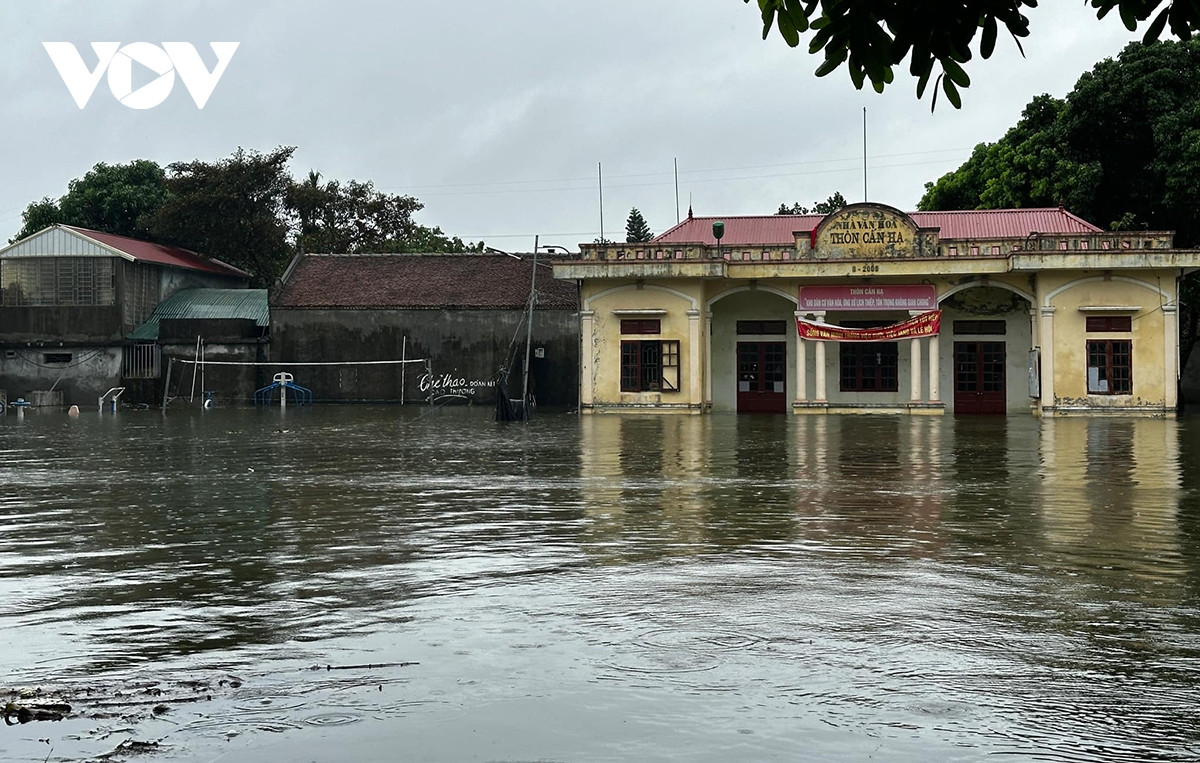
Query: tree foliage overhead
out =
(637, 231)
(245, 210)
(114, 198)
(827, 207)
(354, 218)
(872, 37)
(234, 210)
(1122, 149)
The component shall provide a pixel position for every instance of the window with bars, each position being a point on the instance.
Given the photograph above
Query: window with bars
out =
(1109, 367)
(650, 365)
(140, 361)
(57, 281)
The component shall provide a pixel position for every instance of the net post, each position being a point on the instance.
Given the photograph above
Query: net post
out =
(167, 384)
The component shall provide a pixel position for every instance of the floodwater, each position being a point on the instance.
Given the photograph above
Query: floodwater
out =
(381, 584)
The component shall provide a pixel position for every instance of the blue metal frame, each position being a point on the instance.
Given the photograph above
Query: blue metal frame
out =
(266, 395)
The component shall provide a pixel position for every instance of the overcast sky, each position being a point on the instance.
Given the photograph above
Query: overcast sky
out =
(497, 114)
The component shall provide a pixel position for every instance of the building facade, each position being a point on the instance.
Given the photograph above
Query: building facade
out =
(70, 300)
(457, 320)
(870, 309)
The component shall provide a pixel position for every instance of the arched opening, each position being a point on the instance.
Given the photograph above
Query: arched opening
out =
(753, 335)
(990, 362)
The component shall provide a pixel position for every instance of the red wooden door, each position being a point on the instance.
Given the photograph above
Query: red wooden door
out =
(762, 377)
(979, 377)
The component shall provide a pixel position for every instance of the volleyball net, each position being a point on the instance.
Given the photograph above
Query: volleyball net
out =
(198, 379)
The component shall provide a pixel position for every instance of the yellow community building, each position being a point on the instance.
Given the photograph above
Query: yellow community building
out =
(872, 310)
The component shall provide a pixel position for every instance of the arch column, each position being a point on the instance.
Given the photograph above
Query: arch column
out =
(694, 385)
(935, 369)
(708, 360)
(820, 363)
(914, 375)
(1170, 356)
(586, 338)
(1046, 357)
(801, 366)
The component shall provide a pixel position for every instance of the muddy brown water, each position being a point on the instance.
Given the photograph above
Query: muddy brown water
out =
(247, 586)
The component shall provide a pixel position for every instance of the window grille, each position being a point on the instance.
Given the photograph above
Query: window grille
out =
(140, 361)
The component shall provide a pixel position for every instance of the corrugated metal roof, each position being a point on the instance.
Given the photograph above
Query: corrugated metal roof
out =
(56, 241)
(247, 304)
(760, 229)
(148, 252)
(1003, 223)
(957, 225)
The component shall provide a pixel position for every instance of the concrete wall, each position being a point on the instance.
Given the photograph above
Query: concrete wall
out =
(612, 303)
(91, 372)
(54, 325)
(1065, 302)
(230, 385)
(464, 349)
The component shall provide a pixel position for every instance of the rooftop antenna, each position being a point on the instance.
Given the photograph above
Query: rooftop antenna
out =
(600, 185)
(677, 190)
(865, 197)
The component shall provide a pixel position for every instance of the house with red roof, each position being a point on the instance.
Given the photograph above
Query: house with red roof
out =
(71, 300)
(873, 310)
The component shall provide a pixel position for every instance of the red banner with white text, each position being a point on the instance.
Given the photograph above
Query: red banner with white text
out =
(925, 324)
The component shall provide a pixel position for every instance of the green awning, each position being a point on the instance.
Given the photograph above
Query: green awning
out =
(206, 304)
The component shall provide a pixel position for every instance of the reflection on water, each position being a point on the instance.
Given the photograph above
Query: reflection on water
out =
(604, 588)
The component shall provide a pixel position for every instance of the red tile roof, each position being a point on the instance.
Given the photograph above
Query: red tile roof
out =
(144, 251)
(421, 281)
(963, 225)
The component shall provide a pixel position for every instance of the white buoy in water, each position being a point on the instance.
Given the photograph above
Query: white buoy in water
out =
(73, 411)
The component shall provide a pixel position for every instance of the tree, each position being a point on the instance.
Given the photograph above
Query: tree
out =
(425, 239)
(38, 215)
(233, 210)
(1031, 166)
(350, 217)
(1122, 150)
(870, 37)
(829, 206)
(636, 229)
(354, 218)
(1123, 146)
(117, 198)
(245, 210)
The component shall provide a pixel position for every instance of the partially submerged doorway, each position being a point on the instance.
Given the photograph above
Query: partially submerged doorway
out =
(979, 384)
(761, 377)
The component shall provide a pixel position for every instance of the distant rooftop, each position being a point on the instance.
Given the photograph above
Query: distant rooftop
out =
(71, 240)
(958, 225)
(420, 281)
